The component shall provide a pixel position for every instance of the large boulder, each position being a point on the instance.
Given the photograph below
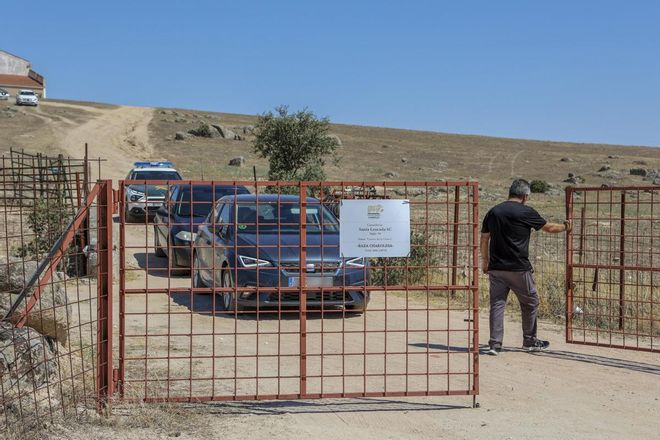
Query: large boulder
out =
(51, 314)
(181, 136)
(225, 133)
(27, 364)
(639, 172)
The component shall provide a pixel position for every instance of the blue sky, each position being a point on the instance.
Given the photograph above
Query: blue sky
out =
(586, 71)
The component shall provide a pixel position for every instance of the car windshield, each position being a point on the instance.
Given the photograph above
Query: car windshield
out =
(27, 93)
(155, 175)
(286, 219)
(201, 202)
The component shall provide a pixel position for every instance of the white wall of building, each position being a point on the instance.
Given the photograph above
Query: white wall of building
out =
(13, 65)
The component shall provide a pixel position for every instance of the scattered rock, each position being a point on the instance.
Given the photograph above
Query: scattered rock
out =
(404, 160)
(573, 179)
(181, 120)
(391, 174)
(652, 174)
(247, 129)
(605, 167)
(613, 157)
(639, 172)
(182, 136)
(237, 161)
(384, 146)
(205, 130)
(51, 315)
(566, 159)
(226, 133)
(27, 363)
(611, 175)
(656, 181)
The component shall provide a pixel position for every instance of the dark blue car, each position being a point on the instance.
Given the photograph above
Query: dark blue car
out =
(254, 241)
(176, 222)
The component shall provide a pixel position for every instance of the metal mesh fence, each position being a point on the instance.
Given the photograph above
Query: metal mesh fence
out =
(250, 298)
(50, 262)
(613, 271)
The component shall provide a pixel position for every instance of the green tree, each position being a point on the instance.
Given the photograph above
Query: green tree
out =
(539, 186)
(297, 145)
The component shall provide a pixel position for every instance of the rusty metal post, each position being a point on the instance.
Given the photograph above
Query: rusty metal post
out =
(454, 249)
(122, 287)
(622, 261)
(475, 290)
(569, 263)
(303, 291)
(86, 171)
(104, 373)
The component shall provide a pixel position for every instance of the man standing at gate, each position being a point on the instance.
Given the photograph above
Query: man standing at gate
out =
(505, 235)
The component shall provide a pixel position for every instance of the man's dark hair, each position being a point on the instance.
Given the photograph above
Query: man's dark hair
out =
(519, 189)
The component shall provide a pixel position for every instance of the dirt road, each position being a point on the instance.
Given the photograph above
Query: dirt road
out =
(118, 135)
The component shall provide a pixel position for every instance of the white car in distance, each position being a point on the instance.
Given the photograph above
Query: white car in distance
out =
(27, 97)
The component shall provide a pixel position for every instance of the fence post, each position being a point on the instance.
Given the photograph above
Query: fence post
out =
(622, 258)
(104, 374)
(303, 291)
(569, 264)
(454, 248)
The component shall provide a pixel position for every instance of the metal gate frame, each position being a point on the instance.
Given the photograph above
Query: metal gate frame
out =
(453, 198)
(621, 247)
(69, 245)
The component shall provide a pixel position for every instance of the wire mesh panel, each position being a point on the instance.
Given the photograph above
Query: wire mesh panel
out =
(613, 267)
(240, 290)
(55, 296)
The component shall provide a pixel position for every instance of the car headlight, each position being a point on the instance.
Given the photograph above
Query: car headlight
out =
(355, 262)
(253, 262)
(134, 195)
(186, 236)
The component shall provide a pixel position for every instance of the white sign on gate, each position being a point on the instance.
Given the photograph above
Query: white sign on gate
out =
(374, 228)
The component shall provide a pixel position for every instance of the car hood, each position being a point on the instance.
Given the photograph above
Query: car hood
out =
(27, 97)
(319, 247)
(150, 190)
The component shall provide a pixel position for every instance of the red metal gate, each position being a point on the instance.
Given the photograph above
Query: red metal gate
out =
(261, 305)
(613, 267)
(60, 321)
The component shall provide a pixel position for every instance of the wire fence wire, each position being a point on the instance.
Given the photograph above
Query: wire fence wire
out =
(254, 300)
(613, 268)
(50, 263)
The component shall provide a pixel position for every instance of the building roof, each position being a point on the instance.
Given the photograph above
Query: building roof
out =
(19, 81)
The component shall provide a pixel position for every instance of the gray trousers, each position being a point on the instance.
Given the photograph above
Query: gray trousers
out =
(522, 284)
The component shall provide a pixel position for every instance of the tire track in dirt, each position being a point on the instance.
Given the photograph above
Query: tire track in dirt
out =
(119, 136)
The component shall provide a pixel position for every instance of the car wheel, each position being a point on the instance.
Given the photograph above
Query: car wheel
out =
(159, 250)
(228, 302)
(128, 217)
(358, 308)
(196, 274)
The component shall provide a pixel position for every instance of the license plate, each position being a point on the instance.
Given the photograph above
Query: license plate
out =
(312, 281)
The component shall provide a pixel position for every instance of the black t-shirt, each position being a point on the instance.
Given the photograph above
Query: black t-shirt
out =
(510, 226)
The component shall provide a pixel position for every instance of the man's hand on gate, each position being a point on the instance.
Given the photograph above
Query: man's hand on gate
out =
(568, 225)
